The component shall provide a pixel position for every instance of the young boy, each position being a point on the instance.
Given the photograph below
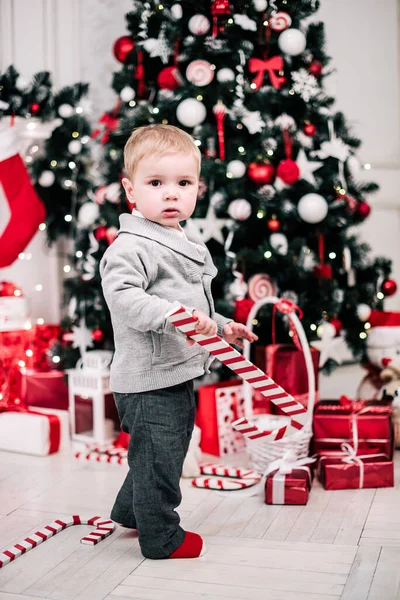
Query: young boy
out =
(152, 267)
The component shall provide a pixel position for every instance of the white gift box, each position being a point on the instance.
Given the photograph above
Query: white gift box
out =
(30, 434)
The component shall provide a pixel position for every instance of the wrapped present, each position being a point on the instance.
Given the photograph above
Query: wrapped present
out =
(288, 480)
(33, 432)
(219, 405)
(353, 471)
(285, 364)
(45, 389)
(40, 339)
(363, 424)
(14, 308)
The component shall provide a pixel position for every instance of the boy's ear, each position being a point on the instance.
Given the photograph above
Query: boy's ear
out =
(128, 189)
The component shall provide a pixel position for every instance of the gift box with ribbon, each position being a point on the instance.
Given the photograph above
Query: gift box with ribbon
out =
(33, 432)
(46, 389)
(365, 425)
(285, 364)
(288, 480)
(355, 471)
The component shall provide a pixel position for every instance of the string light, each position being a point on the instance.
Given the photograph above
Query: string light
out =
(313, 327)
(367, 166)
(255, 321)
(79, 110)
(268, 254)
(75, 134)
(56, 359)
(72, 165)
(40, 321)
(332, 255)
(68, 218)
(156, 110)
(66, 268)
(260, 214)
(367, 325)
(79, 254)
(42, 226)
(85, 139)
(132, 103)
(363, 335)
(53, 163)
(380, 296)
(38, 287)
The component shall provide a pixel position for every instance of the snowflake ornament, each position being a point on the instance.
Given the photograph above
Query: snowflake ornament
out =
(81, 337)
(336, 148)
(305, 84)
(245, 22)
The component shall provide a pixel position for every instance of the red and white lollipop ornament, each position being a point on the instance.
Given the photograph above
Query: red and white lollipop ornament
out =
(261, 286)
(200, 73)
(280, 21)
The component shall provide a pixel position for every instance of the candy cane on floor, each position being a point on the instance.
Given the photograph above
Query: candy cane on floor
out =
(184, 321)
(104, 528)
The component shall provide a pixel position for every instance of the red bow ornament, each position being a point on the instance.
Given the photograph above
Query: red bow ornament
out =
(256, 65)
(109, 125)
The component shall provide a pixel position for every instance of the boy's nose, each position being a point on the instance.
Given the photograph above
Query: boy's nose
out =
(171, 194)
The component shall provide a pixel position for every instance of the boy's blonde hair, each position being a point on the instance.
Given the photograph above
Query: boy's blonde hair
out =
(157, 139)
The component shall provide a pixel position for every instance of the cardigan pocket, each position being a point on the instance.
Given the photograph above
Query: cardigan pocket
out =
(156, 343)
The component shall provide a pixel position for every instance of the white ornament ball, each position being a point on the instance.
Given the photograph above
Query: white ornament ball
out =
(279, 243)
(65, 111)
(127, 94)
(238, 289)
(176, 11)
(199, 72)
(191, 112)
(363, 312)
(22, 83)
(47, 178)
(88, 213)
(312, 208)
(326, 329)
(74, 147)
(260, 5)
(239, 209)
(199, 25)
(292, 42)
(236, 169)
(280, 21)
(224, 75)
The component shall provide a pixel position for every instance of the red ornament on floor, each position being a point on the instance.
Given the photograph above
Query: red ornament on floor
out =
(315, 68)
(122, 47)
(389, 287)
(288, 171)
(261, 173)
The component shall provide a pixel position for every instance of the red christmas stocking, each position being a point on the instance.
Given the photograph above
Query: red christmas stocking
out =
(21, 210)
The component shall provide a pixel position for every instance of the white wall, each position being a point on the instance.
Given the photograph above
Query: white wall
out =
(74, 40)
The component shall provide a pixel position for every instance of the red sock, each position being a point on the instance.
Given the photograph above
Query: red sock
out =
(192, 547)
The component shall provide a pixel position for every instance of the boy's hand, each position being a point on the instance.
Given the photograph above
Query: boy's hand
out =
(204, 325)
(233, 333)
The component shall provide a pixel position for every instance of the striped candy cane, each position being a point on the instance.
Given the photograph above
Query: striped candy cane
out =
(184, 321)
(104, 528)
(101, 457)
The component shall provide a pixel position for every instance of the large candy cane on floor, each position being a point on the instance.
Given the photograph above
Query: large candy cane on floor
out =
(184, 321)
(104, 528)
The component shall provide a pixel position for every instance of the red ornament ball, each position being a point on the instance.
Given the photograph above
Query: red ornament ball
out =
(97, 335)
(337, 325)
(169, 78)
(288, 171)
(389, 287)
(122, 47)
(363, 210)
(35, 107)
(261, 173)
(315, 68)
(242, 309)
(9, 290)
(273, 225)
(310, 129)
(100, 233)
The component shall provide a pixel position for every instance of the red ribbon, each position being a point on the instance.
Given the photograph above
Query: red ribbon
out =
(322, 271)
(256, 65)
(110, 123)
(140, 75)
(286, 307)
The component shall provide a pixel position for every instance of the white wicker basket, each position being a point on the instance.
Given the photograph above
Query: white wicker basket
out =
(260, 451)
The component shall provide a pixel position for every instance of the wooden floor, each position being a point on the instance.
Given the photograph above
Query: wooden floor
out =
(343, 544)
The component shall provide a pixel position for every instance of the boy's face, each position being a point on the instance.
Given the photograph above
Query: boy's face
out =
(164, 188)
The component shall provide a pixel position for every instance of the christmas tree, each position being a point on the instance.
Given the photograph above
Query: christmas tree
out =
(279, 195)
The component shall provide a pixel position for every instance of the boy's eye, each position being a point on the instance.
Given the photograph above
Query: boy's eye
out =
(155, 182)
(184, 183)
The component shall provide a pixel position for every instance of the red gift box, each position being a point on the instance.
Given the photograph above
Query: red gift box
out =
(365, 425)
(353, 471)
(220, 404)
(285, 364)
(288, 488)
(45, 389)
